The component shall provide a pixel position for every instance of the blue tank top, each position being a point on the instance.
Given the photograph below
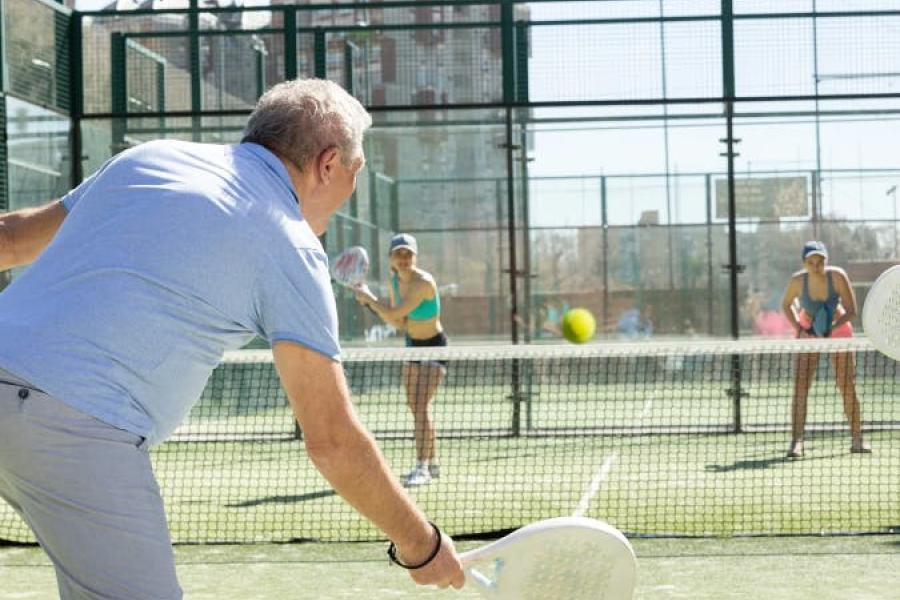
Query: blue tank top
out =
(427, 309)
(821, 312)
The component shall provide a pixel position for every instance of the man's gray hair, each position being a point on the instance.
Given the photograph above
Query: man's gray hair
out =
(299, 119)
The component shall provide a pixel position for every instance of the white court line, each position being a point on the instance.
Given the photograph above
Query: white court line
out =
(592, 490)
(602, 472)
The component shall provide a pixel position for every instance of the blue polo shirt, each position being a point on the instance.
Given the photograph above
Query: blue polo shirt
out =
(171, 254)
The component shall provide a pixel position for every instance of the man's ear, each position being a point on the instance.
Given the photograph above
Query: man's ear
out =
(327, 163)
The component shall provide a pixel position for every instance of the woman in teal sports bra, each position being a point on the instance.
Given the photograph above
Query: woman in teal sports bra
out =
(415, 305)
(819, 302)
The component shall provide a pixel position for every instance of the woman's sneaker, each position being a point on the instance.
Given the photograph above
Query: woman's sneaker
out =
(860, 447)
(418, 476)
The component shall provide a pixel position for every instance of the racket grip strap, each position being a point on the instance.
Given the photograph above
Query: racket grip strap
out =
(392, 551)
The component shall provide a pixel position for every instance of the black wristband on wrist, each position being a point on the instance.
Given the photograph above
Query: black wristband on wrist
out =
(392, 551)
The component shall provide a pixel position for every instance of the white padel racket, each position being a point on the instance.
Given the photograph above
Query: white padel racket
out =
(881, 313)
(571, 558)
(351, 267)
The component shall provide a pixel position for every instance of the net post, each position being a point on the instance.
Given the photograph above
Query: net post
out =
(736, 392)
(516, 397)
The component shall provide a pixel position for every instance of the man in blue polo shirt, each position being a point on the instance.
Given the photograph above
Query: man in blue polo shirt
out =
(143, 276)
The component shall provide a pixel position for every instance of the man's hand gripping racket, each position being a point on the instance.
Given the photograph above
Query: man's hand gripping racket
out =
(571, 558)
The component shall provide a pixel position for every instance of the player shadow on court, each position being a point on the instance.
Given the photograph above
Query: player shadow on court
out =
(763, 463)
(500, 457)
(283, 499)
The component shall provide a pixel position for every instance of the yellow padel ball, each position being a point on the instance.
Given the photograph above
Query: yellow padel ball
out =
(578, 325)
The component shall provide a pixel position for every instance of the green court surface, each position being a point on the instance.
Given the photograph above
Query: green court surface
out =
(690, 484)
(802, 568)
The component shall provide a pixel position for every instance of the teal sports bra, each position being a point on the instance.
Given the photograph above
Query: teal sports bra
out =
(821, 312)
(427, 309)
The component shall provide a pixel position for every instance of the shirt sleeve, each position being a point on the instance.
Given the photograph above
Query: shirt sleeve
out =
(294, 302)
(72, 198)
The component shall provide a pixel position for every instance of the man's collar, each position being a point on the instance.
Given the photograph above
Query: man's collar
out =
(273, 162)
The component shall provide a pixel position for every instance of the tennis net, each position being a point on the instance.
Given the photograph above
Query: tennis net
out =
(669, 438)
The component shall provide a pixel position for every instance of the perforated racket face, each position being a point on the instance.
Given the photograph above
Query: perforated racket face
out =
(573, 558)
(351, 266)
(881, 313)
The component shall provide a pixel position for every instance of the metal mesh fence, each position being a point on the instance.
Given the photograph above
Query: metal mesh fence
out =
(37, 52)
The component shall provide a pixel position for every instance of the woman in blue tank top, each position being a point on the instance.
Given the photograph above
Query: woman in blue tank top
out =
(819, 302)
(415, 305)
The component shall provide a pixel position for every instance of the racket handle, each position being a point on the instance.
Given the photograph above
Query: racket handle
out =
(484, 583)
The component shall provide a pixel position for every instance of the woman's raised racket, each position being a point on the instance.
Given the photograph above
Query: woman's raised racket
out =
(350, 269)
(881, 313)
(575, 558)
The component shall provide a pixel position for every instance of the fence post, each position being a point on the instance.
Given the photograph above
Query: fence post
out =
(119, 90)
(196, 76)
(290, 43)
(76, 99)
(320, 54)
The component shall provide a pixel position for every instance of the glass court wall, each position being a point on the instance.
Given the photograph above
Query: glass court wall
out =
(658, 158)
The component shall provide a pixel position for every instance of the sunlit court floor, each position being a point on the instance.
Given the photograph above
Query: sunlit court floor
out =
(821, 568)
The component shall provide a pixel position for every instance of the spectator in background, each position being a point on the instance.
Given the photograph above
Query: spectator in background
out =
(636, 323)
(688, 328)
(552, 317)
(765, 317)
(771, 323)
